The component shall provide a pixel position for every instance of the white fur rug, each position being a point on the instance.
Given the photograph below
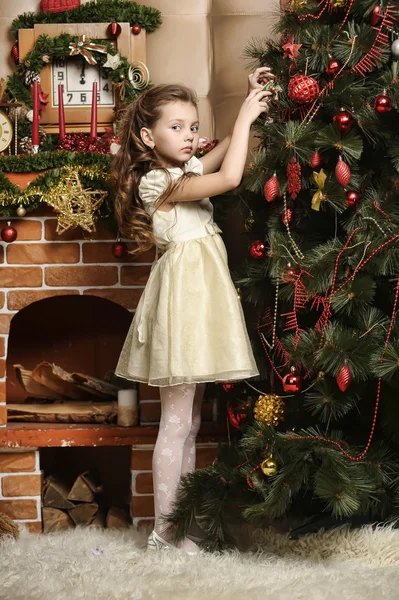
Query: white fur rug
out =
(113, 565)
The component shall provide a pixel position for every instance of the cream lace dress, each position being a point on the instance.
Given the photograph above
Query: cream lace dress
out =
(189, 325)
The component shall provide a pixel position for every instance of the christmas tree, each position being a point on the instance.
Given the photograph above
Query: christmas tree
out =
(319, 433)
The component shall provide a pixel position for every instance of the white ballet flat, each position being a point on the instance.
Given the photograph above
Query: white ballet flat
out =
(155, 542)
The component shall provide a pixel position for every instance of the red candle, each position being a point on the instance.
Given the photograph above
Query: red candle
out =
(35, 122)
(93, 121)
(61, 114)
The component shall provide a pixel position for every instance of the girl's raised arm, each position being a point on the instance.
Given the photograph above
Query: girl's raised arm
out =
(230, 174)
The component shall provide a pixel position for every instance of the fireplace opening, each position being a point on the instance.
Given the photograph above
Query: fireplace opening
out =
(86, 486)
(80, 334)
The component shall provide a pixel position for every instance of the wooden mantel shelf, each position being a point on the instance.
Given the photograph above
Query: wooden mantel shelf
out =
(43, 435)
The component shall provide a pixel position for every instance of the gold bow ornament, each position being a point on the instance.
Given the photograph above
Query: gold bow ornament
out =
(85, 48)
(319, 196)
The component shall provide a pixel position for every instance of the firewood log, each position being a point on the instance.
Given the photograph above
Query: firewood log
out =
(56, 520)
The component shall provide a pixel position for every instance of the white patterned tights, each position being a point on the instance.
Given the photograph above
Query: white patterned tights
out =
(174, 452)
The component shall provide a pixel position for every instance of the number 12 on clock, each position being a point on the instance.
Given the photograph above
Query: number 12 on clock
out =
(77, 77)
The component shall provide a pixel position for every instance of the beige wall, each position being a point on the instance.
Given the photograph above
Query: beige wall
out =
(200, 44)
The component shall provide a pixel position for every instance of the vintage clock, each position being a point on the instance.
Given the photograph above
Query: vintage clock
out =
(6, 131)
(77, 76)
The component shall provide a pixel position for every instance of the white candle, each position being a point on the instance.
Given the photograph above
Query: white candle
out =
(127, 408)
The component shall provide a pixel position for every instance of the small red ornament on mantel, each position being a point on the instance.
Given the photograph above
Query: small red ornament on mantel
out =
(9, 233)
(383, 103)
(376, 15)
(136, 28)
(352, 198)
(343, 120)
(316, 160)
(257, 249)
(271, 191)
(292, 382)
(15, 53)
(114, 29)
(344, 378)
(342, 172)
(118, 249)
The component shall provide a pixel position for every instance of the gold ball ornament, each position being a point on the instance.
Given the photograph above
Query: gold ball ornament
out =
(238, 293)
(269, 466)
(269, 409)
(21, 211)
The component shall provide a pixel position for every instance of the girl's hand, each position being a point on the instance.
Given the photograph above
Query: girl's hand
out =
(259, 78)
(256, 103)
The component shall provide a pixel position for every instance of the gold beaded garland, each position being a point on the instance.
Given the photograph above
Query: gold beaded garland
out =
(269, 409)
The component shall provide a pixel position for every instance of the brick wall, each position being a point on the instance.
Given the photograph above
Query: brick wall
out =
(42, 263)
(20, 487)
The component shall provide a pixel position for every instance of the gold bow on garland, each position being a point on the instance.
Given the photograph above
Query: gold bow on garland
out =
(319, 196)
(83, 47)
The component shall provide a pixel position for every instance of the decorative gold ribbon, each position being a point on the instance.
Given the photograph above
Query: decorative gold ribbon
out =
(319, 196)
(84, 47)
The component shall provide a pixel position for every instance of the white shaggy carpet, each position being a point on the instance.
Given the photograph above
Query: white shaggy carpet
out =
(113, 565)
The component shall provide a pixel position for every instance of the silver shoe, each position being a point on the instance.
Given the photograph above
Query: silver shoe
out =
(155, 542)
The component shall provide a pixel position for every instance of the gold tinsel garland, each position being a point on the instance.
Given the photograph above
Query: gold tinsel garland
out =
(269, 409)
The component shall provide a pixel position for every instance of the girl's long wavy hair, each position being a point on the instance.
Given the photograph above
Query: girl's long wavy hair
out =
(134, 160)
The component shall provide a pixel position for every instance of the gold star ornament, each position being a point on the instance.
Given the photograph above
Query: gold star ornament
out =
(75, 205)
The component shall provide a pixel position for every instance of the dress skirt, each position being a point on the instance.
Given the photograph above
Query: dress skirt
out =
(189, 325)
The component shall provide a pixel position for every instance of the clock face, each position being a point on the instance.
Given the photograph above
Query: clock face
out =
(77, 77)
(5, 131)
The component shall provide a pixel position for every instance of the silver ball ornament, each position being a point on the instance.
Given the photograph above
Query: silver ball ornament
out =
(21, 211)
(395, 48)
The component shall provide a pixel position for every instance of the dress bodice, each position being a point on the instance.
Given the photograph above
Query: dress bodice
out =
(186, 220)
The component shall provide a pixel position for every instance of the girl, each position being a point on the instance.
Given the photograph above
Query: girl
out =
(189, 326)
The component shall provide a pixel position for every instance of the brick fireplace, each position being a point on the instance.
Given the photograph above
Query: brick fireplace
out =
(40, 265)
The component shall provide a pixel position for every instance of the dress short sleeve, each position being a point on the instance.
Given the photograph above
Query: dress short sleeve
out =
(156, 181)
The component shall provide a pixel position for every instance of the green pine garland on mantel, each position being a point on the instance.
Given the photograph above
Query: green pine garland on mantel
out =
(100, 11)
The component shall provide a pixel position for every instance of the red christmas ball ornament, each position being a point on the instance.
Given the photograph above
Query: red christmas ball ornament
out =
(114, 29)
(292, 382)
(236, 417)
(316, 160)
(343, 120)
(286, 216)
(228, 386)
(376, 15)
(344, 378)
(257, 249)
(303, 89)
(136, 29)
(289, 275)
(333, 67)
(342, 172)
(271, 191)
(118, 249)
(383, 103)
(8, 234)
(15, 53)
(352, 198)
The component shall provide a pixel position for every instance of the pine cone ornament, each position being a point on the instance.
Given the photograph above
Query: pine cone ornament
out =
(342, 172)
(344, 378)
(25, 145)
(271, 191)
(31, 77)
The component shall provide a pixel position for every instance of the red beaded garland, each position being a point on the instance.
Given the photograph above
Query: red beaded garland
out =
(303, 89)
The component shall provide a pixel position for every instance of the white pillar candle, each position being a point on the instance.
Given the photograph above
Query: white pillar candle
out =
(127, 407)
